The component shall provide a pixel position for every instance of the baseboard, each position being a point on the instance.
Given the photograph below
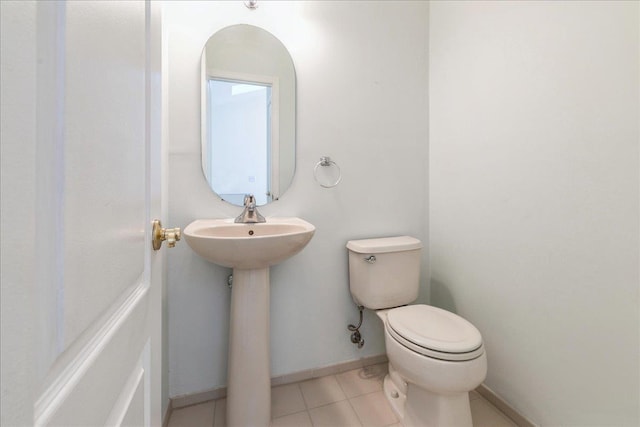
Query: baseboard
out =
(220, 392)
(328, 370)
(502, 405)
(167, 415)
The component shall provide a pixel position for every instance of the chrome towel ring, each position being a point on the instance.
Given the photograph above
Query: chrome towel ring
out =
(330, 177)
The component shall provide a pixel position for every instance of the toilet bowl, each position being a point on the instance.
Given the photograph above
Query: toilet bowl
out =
(432, 389)
(435, 357)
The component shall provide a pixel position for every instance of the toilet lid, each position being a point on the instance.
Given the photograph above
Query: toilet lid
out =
(440, 332)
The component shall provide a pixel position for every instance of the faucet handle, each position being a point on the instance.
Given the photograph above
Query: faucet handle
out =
(248, 198)
(250, 213)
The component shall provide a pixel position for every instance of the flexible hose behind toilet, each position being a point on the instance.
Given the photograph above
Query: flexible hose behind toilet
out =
(356, 337)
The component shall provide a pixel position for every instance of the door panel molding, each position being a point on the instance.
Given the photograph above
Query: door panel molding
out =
(64, 383)
(137, 387)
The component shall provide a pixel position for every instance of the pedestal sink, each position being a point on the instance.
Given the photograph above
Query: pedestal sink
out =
(249, 249)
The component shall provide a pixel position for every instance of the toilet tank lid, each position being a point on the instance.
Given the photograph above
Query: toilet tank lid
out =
(384, 244)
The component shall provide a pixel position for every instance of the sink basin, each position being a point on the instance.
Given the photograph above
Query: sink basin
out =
(248, 246)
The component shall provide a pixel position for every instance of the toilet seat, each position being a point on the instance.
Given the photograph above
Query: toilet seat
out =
(435, 333)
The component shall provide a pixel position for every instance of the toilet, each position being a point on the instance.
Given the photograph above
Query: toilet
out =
(435, 357)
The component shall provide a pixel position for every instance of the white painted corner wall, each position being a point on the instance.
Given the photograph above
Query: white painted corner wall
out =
(361, 99)
(534, 194)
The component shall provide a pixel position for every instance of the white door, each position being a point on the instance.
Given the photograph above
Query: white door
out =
(96, 326)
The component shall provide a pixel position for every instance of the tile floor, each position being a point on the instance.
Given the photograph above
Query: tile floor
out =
(352, 398)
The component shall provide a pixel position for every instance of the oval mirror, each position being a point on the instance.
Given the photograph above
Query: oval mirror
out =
(248, 114)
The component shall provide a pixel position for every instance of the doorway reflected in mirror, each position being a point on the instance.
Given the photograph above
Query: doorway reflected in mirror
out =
(248, 114)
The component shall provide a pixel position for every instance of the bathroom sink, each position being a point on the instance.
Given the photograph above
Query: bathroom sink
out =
(248, 246)
(250, 249)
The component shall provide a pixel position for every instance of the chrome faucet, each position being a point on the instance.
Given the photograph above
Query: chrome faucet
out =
(250, 213)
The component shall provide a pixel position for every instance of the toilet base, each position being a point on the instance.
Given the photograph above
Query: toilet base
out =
(427, 409)
(422, 408)
(395, 396)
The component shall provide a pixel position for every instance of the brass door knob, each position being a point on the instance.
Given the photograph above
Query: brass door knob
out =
(159, 235)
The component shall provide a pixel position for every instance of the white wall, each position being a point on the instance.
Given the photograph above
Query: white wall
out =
(18, 249)
(534, 112)
(362, 99)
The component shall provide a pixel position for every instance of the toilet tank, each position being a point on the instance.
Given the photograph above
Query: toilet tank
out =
(384, 272)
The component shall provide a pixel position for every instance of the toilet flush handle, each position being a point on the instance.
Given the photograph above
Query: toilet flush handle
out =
(370, 259)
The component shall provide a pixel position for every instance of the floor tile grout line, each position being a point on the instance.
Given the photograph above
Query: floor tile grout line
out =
(301, 394)
(361, 394)
(365, 394)
(390, 409)
(325, 404)
(340, 385)
(293, 413)
(304, 399)
(347, 398)
(356, 412)
(310, 419)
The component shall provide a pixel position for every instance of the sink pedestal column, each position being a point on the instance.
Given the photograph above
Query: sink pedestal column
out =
(249, 377)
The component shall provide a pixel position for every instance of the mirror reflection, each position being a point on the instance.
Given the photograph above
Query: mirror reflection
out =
(248, 114)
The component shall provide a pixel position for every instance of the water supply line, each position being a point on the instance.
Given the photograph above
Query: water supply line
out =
(356, 337)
